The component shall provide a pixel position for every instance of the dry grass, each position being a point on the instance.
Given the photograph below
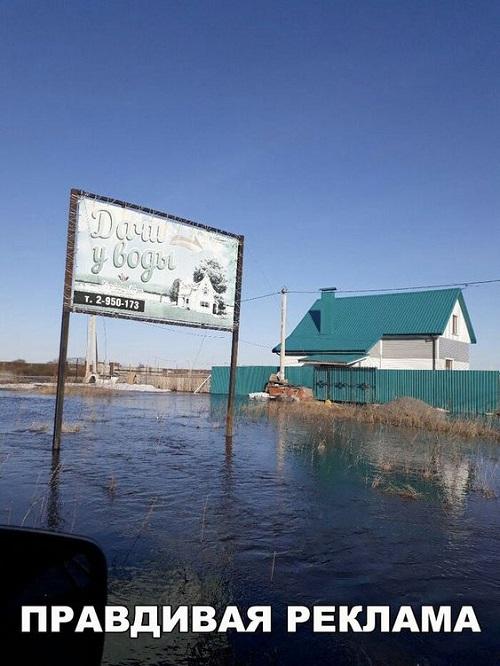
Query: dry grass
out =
(486, 491)
(484, 481)
(37, 426)
(434, 450)
(75, 389)
(406, 491)
(43, 426)
(71, 428)
(404, 412)
(111, 486)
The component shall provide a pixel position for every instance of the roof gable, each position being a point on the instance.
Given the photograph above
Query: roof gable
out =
(467, 318)
(358, 322)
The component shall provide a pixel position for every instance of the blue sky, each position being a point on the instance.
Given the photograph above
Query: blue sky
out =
(354, 144)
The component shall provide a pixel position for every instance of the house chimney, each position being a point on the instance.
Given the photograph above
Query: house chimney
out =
(326, 321)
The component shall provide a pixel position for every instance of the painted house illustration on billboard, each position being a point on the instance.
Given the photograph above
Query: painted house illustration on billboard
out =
(198, 296)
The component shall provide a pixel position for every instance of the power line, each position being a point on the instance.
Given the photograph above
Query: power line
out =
(256, 298)
(464, 284)
(256, 344)
(163, 327)
(428, 286)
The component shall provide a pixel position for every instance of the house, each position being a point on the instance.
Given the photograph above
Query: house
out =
(427, 330)
(198, 296)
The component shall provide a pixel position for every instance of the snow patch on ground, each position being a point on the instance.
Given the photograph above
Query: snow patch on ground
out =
(101, 384)
(136, 387)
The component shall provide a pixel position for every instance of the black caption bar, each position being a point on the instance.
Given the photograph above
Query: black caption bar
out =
(108, 301)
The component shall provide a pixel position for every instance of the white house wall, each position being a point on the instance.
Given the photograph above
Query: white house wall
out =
(408, 364)
(399, 363)
(417, 348)
(457, 365)
(293, 362)
(417, 354)
(406, 354)
(374, 359)
(396, 363)
(463, 333)
(456, 350)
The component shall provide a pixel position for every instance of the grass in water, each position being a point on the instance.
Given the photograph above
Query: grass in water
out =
(404, 412)
(76, 389)
(68, 428)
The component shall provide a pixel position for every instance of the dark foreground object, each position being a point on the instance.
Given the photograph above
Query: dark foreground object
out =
(45, 569)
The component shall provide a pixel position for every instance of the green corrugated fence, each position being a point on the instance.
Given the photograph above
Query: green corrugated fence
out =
(253, 378)
(458, 391)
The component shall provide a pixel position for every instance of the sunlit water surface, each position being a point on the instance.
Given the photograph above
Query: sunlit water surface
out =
(363, 515)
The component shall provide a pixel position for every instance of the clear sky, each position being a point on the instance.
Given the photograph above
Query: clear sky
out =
(354, 144)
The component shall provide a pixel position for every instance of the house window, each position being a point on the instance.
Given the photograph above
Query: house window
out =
(204, 304)
(448, 364)
(454, 324)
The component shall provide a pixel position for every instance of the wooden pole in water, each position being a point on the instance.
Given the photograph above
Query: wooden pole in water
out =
(234, 343)
(232, 383)
(61, 378)
(66, 310)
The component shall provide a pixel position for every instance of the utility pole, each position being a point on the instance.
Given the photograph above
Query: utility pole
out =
(91, 356)
(284, 292)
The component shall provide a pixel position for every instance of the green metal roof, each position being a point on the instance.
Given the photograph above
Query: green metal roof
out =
(333, 359)
(354, 324)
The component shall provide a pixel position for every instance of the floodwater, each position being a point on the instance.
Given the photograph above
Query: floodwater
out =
(362, 515)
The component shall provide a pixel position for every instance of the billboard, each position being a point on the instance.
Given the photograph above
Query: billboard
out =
(134, 262)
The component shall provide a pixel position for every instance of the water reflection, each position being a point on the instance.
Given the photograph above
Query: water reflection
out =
(229, 453)
(53, 501)
(194, 517)
(388, 458)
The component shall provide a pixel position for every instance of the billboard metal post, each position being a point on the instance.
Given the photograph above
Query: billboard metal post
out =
(61, 378)
(234, 343)
(63, 342)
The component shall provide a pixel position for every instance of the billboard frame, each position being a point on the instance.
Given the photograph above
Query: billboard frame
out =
(68, 306)
(71, 247)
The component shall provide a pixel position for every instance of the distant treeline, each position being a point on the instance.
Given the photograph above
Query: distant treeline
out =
(21, 368)
(76, 369)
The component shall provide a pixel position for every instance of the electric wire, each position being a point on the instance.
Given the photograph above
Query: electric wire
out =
(464, 284)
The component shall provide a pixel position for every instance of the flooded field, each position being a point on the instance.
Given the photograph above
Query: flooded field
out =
(286, 515)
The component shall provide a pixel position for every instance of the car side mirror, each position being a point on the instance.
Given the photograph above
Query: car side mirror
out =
(47, 569)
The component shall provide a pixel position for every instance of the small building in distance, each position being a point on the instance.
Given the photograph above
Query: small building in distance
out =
(419, 330)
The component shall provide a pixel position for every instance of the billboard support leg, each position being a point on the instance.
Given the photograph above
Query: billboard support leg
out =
(61, 378)
(232, 383)
(234, 343)
(66, 310)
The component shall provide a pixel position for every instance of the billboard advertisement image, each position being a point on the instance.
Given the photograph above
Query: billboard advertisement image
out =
(137, 263)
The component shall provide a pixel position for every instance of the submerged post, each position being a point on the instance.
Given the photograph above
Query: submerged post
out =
(61, 378)
(234, 343)
(63, 342)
